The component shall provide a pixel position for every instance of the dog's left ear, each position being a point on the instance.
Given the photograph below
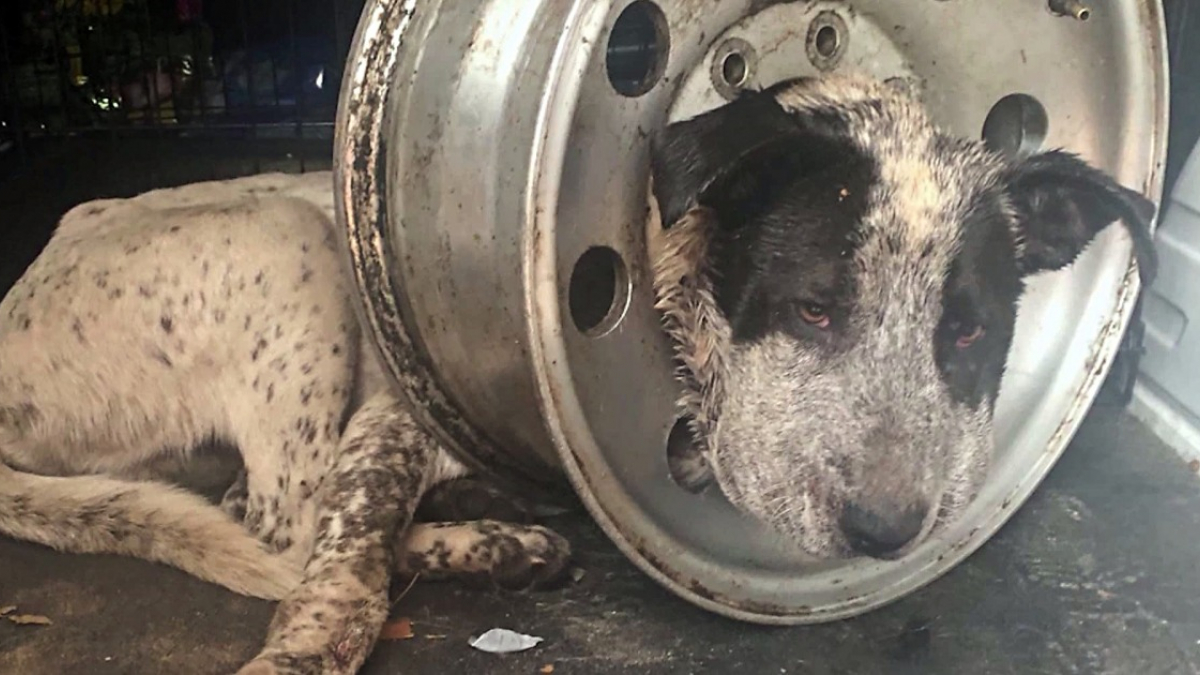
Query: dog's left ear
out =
(1062, 203)
(694, 162)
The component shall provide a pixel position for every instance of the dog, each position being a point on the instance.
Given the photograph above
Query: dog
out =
(838, 278)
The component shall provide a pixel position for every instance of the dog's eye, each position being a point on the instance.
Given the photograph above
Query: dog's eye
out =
(813, 314)
(967, 335)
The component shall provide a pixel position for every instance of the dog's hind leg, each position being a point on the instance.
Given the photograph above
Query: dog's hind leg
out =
(383, 465)
(286, 422)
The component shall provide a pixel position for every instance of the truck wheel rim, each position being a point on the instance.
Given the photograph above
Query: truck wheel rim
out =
(491, 169)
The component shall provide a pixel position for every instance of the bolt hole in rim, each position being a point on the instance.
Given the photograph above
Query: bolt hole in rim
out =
(681, 455)
(1016, 126)
(599, 291)
(638, 46)
(561, 148)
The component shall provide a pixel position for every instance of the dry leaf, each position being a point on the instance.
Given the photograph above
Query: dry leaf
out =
(7, 609)
(400, 629)
(548, 668)
(28, 619)
(577, 574)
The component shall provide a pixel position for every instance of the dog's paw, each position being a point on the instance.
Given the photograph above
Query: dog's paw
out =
(539, 562)
(486, 553)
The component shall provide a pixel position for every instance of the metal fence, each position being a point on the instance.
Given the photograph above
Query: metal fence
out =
(246, 68)
(258, 68)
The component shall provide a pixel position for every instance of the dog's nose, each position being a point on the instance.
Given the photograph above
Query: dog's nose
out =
(877, 532)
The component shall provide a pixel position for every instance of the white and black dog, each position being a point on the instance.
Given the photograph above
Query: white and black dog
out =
(840, 280)
(843, 301)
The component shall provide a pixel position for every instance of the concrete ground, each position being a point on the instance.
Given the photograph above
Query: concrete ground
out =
(1096, 575)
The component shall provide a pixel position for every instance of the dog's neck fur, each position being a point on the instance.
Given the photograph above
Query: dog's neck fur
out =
(681, 259)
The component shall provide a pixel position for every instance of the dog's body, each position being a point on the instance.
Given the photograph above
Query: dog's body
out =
(832, 265)
(219, 310)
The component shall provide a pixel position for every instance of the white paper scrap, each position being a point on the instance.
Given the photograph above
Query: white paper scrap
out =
(504, 641)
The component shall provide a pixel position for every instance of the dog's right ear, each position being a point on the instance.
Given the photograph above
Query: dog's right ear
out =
(1062, 203)
(692, 157)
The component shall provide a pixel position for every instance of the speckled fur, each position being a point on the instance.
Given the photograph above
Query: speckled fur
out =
(683, 289)
(791, 430)
(907, 240)
(220, 310)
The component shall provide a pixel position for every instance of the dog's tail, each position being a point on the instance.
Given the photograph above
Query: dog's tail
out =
(151, 521)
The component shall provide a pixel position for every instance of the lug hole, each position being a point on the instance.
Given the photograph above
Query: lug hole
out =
(827, 39)
(733, 66)
(733, 70)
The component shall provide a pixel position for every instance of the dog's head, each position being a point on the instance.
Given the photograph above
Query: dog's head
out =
(841, 282)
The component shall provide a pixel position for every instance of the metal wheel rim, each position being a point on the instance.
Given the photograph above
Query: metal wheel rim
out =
(468, 195)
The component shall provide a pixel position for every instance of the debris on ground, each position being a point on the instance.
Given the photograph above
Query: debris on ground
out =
(400, 629)
(1194, 465)
(8, 613)
(577, 574)
(504, 641)
(29, 619)
(548, 668)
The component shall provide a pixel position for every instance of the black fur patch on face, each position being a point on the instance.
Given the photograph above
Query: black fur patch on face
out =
(702, 157)
(979, 298)
(789, 220)
(789, 191)
(1060, 205)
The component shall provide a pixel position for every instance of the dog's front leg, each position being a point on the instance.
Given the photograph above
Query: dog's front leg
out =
(329, 624)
